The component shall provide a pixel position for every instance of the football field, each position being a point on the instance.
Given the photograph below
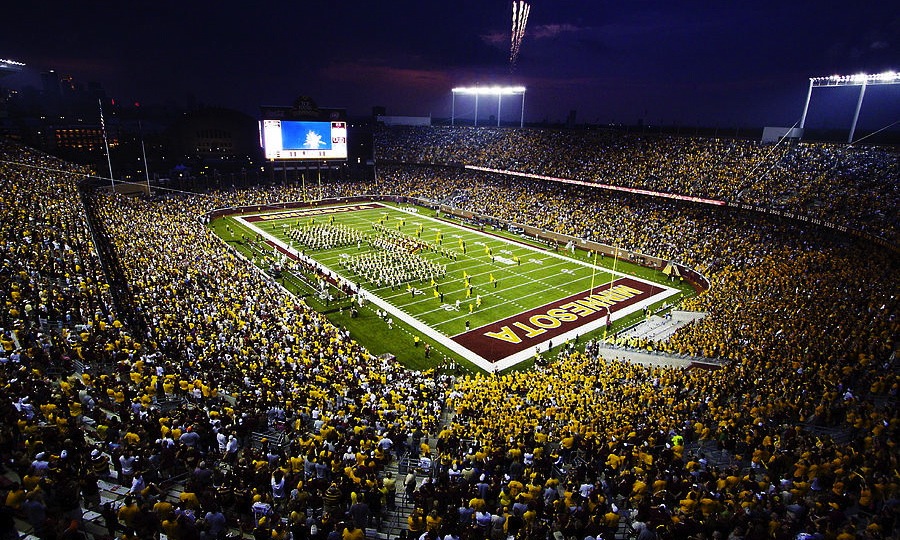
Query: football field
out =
(490, 299)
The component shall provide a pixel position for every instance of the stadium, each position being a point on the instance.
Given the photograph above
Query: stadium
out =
(796, 426)
(527, 332)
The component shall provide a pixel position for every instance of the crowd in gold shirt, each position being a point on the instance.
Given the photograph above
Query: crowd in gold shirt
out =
(572, 447)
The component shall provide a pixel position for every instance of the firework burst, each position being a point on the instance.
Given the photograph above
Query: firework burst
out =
(520, 11)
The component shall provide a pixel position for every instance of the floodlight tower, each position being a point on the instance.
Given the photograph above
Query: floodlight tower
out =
(498, 91)
(861, 79)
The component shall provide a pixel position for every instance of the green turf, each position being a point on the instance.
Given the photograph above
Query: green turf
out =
(535, 280)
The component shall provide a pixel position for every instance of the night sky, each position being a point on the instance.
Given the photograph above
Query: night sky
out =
(707, 63)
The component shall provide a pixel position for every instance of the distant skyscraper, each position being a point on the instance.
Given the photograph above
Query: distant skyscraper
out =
(95, 90)
(50, 84)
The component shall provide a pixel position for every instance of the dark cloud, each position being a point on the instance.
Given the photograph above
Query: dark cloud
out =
(705, 61)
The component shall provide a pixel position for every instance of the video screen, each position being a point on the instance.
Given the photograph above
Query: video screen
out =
(296, 139)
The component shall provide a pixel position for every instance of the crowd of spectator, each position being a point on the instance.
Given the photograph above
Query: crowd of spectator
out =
(57, 312)
(52, 278)
(670, 230)
(572, 449)
(231, 330)
(792, 309)
(232, 350)
(855, 186)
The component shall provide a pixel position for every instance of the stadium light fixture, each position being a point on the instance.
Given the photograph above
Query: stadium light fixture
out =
(490, 90)
(860, 79)
(498, 91)
(888, 77)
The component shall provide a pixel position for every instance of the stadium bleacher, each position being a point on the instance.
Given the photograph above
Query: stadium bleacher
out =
(235, 400)
(854, 186)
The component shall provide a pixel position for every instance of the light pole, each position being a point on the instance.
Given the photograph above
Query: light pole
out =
(498, 91)
(861, 79)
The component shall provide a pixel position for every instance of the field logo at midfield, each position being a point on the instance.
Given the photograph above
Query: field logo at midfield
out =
(503, 338)
(308, 212)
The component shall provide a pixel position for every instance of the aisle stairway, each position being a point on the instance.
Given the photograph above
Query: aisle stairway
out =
(394, 522)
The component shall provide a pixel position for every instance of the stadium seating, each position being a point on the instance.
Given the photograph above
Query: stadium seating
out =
(851, 186)
(234, 386)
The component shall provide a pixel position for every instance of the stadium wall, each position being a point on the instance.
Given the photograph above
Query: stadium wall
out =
(774, 134)
(877, 240)
(404, 120)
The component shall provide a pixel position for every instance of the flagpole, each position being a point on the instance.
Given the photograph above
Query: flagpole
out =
(609, 309)
(112, 183)
(144, 152)
(615, 260)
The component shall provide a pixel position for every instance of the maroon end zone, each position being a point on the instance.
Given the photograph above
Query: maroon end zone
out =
(312, 211)
(503, 338)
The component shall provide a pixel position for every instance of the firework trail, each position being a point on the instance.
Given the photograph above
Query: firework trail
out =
(520, 11)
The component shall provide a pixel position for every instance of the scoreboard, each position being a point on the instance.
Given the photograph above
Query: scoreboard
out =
(299, 139)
